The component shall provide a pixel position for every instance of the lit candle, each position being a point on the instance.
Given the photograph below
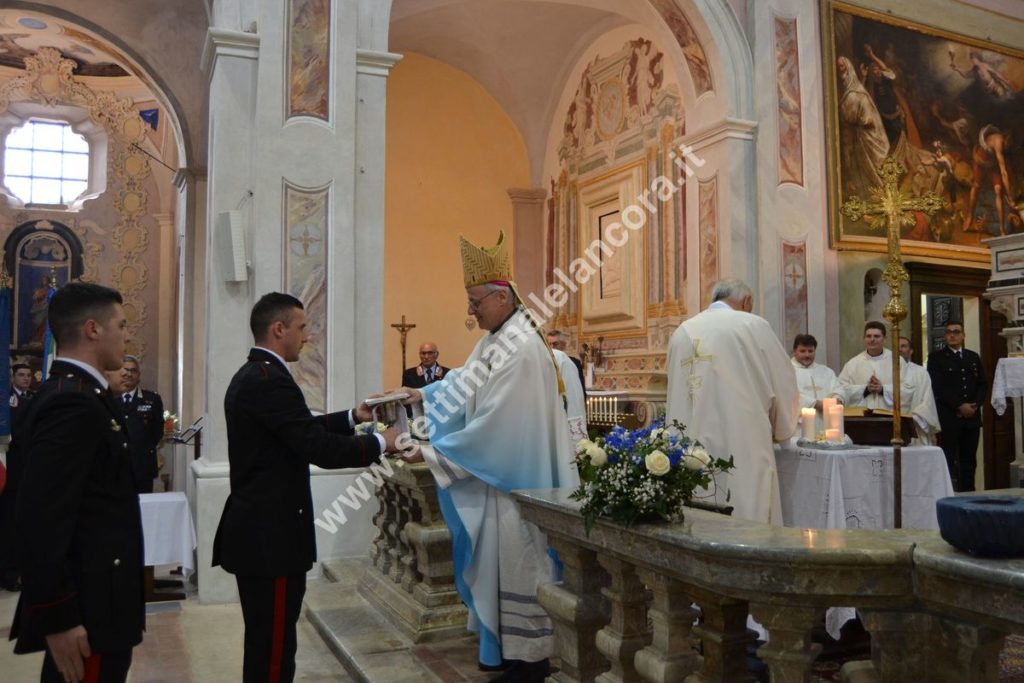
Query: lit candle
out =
(835, 419)
(827, 403)
(833, 435)
(615, 408)
(808, 417)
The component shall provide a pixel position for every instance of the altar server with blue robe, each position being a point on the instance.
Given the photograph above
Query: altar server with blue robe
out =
(497, 424)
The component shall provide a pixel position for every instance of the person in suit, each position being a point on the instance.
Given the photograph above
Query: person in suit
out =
(80, 531)
(959, 384)
(21, 395)
(266, 535)
(144, 413)
(428, 371)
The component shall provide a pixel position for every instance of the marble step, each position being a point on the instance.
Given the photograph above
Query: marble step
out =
(370, 648)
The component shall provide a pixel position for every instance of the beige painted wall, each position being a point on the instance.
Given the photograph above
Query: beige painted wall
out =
(452, 155)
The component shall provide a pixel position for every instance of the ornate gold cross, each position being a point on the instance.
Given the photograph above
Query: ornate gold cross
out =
(891, 208)
(403, 329)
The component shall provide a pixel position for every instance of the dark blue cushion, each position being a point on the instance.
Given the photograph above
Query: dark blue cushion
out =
(984, 526)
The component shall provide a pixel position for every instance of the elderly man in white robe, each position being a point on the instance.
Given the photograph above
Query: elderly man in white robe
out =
(497, 424)
(916, 397)
(730, 383)
(866, 379)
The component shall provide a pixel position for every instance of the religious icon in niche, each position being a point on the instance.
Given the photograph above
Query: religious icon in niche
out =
(611, 108)
(41, 256)
(945, 106)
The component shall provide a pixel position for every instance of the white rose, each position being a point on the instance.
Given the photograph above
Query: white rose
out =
(583, 444)
(697, 459)
(658, 463)
(598, 458)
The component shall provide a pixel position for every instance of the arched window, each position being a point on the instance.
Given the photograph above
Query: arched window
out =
(46, 163)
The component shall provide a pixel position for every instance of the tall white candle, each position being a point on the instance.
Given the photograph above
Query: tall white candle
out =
(808, 417)
(827, 403)
(835, 419)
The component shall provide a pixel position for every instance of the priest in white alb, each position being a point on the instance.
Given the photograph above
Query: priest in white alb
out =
(916, 397)
(814, 380)
(496, 424)
(866, 379)
(575, 407)
(730, 382)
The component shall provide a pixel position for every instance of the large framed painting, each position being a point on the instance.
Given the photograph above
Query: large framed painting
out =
(948, 107)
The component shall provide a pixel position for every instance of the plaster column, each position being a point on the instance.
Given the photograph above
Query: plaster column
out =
(372, 69)
(230, 59)
(727, 149)
(528, 238)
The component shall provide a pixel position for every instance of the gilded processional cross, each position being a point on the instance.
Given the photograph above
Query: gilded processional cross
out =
(891, 208)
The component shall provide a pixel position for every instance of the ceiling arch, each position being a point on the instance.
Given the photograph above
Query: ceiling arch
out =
(485, 39)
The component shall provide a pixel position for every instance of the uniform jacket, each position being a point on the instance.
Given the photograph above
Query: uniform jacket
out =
(80, 531)
(415, 379)
(956, 381)
(145, 418)
(266, 529)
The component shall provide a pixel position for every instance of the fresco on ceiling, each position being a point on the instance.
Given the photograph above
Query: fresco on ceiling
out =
(693, 51)
(22, 34)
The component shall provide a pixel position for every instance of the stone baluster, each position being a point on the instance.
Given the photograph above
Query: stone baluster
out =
(411, 576)
(397, 550)
(380, 550)
(899, 643)
(964, 652)
(627, 632)
(671, 655)
(724, 638)
(577, 610)
(789, 652)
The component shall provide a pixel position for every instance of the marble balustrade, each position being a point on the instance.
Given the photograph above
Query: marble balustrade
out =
(411, 577)
(624, 610)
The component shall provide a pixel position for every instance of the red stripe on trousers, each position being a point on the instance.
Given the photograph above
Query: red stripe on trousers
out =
(92, 669)
(277, 644)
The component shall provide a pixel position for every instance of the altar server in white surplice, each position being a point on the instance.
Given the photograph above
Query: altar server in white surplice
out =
(496, 424)
(814, 380)
(916, 397)
(575, 408)
(730, 382)
(866, 379)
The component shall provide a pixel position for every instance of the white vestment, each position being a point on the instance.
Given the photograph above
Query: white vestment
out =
(497, 424)
(575, 408)
(917, 399)
(730, 383)
(856, 374)
(815, 382)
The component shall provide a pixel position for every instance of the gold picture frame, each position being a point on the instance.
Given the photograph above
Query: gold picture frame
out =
(945, 105)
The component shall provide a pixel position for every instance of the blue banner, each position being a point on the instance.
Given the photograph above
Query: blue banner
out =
(5, 361)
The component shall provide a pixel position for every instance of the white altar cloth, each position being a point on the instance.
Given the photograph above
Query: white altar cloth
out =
(1007, 383)
(168, 531)
(852, 489)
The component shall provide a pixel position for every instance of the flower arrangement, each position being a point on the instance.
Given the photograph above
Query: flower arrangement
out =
(628, 476)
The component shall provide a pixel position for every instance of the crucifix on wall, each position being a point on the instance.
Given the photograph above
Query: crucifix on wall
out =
(403, 329)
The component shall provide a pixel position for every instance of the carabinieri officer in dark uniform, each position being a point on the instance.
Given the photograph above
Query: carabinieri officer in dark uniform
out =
(959, 385)
(266, 535)
(79, 527)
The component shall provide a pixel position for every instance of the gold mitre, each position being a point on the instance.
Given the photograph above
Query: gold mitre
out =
(481, 265)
